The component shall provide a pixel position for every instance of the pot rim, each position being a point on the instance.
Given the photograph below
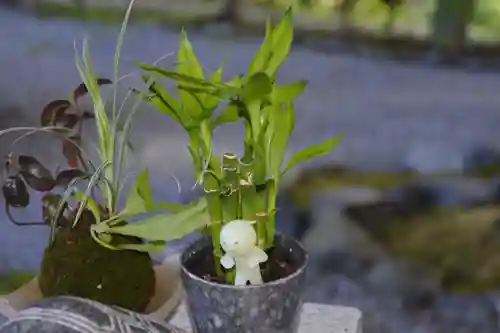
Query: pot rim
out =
(297, 272)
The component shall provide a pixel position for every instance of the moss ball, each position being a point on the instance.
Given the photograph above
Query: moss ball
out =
(74, 264)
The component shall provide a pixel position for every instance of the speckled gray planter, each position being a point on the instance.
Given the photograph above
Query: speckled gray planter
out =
(273, 307)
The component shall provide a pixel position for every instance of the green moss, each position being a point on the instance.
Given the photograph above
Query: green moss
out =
(332, 177)
(460, 246)
(488, 171)
(12, 280)
(74, 264)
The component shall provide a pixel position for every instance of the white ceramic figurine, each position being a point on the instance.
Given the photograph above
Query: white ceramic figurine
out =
(238, 240)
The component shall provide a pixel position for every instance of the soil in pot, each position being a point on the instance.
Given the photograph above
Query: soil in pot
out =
(74, 264)
(280, 264)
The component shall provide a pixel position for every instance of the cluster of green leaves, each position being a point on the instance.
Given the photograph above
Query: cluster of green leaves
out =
(235, 187)
(108, 178)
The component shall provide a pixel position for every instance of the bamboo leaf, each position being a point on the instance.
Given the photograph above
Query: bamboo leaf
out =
(282, 37)
(230, 114)
(162, 227)
(263, 55)
(187, 61)
(222, 90)
(211, 101)
(287, 93)
(279, 130)
(188, 64)
(165, 103)
(311, 152)
(258, 86)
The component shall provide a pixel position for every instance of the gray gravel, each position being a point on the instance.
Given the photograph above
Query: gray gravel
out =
(389, 113)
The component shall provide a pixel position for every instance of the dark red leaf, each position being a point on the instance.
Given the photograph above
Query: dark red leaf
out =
(53, 111)
(88, 115)
(35, 174)
(82, 88)
(66, 176)
(15, 192)
(71, 151)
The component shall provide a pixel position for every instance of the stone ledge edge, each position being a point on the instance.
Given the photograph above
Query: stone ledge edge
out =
(315, 318)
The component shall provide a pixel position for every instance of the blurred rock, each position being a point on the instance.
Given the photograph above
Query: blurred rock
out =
(482, 160)
(465, 314)
(458, 190)
(408, 281)
(428, 157)
(332, 231)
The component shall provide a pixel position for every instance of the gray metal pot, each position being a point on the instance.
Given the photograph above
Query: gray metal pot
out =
(273, 307)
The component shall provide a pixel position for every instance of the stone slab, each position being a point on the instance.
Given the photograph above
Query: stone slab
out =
(316, 318)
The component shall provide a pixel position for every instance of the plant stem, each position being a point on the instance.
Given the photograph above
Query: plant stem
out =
(212, 191)
(271, 212)
(230, 196)
(253, 202)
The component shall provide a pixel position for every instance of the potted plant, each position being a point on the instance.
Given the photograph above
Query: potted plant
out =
(242, 276)
(73, 263)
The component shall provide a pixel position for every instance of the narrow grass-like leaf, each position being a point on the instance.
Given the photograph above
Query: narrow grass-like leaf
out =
(116, 58)
(92, 182)
(105, 135)
(91, 205)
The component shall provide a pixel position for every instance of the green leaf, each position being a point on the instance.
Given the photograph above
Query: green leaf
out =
(161, 99)
(263, 55)
(162, 227)
(230, 114)
(210, 101)
(282, 37)
(222, 90)
(104, 129)
(287, 93)
(172, 207)
(311, 152)
(187, 61)
(90, 204)
(139, 199)
(188, 64)
(258, 86)
(279, 130)
(154, 246)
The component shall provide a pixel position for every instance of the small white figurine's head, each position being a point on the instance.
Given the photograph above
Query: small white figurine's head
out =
(238, 237)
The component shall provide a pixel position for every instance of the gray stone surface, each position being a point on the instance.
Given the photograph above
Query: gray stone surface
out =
(314, 318)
